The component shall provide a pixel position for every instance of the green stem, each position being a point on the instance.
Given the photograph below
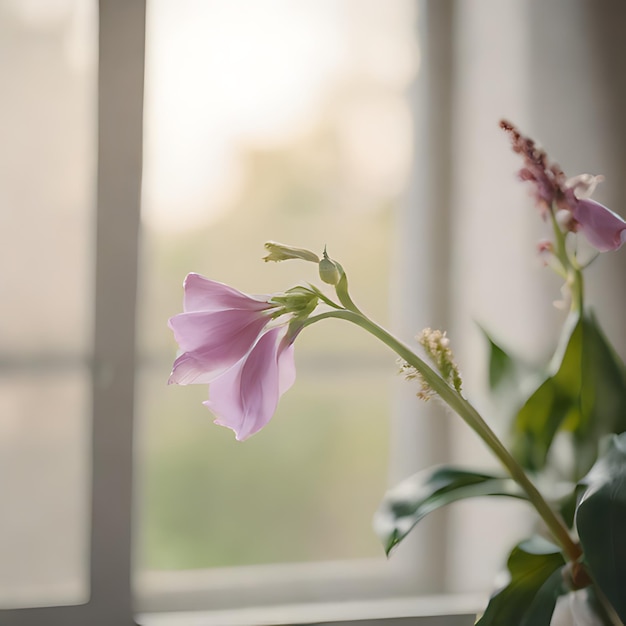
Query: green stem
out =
(471, 416)
(559, 239)
(577, 291)
(573, 273)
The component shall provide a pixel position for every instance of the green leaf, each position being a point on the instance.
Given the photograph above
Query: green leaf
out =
(502, 366)
(601, 522)
(509, 378)
(603, 395)
(541, 608)
(546, 409)
(533, 567)
(417, 496)
(584, 393)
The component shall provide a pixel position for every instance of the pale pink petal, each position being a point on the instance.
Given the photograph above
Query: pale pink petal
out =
(603, 229)
(246, 396)
(212, 342)
(286, 366)
(218, 330)
(202, 294)
(191, 369)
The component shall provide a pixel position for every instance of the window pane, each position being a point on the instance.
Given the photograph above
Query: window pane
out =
(305, 491)
(44, 485)
(47, 115)
(270, 121)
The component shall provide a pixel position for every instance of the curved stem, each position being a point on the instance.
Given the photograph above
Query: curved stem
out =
(471, 416)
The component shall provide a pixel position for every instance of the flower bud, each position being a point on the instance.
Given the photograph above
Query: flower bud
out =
(280, 252)
(329, 272)
(297, 301)
(545, 248)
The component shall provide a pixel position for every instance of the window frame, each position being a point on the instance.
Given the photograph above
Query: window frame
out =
(121, 46)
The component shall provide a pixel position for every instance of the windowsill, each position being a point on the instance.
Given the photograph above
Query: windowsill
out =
(441, 610)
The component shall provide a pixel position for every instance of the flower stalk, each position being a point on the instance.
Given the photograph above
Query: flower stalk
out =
(572, 272)
(458, 403)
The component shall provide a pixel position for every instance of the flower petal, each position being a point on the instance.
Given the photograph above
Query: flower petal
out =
(205, 331)
(190, 368)
(202, 294)
(603, 229)
(246, 396)
(584, 185)
(286, 366)
(213, 342)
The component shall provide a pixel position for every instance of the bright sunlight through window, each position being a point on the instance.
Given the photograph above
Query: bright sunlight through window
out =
(269, 121)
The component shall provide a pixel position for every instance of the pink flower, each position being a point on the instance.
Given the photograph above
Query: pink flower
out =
(217, 328)
(602, 228)
(246, 396)
(226, 342)
(547, 178)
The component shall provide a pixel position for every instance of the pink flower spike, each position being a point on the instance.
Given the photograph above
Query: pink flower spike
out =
(218, 327)
(603, 229)
(246, 396)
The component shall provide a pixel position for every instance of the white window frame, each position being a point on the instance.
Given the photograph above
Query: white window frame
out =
(201, 597)
(119, 131)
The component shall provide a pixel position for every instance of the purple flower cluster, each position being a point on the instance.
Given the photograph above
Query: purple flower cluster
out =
(602, 228)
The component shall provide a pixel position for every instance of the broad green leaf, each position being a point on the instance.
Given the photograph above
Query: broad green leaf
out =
(540, 611)
(546, 409)
(601, 522)
(603, 395)
(584, 393)
(531, 565)
(417, 496)
(538, 422)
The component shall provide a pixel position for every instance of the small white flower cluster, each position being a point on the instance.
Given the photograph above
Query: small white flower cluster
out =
(411, 374)
(437, 348)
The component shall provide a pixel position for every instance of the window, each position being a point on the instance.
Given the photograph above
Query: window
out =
(97, 554)
(75, 368)
(286, 122)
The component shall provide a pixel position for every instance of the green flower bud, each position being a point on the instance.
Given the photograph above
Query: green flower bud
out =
(329, 270)
(298, 301)
(280, 252)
